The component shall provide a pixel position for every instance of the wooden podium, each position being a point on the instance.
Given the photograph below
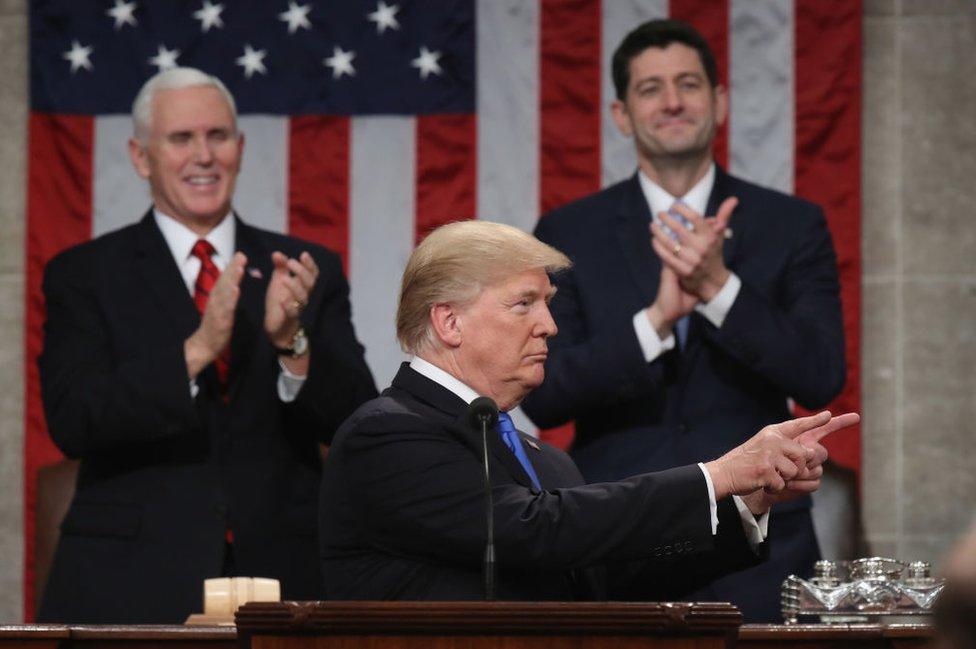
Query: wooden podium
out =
(486, 625)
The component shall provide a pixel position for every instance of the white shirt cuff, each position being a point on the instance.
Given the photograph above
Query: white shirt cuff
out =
(719, 306)
(711, 498)
(194, 389)
(756, 529)
(288, 384)
(650, 343)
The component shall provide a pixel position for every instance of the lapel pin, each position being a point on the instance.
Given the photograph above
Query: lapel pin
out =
(255, 273)
(728, 233)
(533, 444)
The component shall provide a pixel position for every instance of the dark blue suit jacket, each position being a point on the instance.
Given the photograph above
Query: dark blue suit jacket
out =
(402, 514)
(783, 336)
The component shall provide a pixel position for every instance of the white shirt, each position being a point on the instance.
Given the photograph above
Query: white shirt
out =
(659, 200)
(180, 240)
(755, 532)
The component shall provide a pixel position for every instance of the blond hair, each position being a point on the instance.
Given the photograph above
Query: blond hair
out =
(455, 263)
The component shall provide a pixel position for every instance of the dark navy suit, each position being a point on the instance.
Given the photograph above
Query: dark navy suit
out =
(782, 337)
(402, 514)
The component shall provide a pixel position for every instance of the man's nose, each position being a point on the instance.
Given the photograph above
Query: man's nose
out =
(672, 98)
(202, 151)
(547, 326)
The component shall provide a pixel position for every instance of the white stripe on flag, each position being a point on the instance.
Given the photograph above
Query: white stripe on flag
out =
(262, 186)
(119, 196)
(762, 100)
(508, 112)
(381, 232)
(618, 159)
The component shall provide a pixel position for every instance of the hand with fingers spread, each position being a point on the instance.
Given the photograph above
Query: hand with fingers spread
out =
(217, 322)
(291, 283)
(695, 253)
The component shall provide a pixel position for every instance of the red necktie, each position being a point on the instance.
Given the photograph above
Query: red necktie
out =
(206, 278)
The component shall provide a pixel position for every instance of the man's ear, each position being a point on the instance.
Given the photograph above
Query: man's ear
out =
(446, 324)
(621, 117)
(721, 104)
(140, 157)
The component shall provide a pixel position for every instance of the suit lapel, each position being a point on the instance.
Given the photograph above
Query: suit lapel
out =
(155, 264)
(456, 410)
(632, 222)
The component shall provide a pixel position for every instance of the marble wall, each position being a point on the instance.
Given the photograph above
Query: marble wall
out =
(13, 183)
(919, 355)
(919, 248)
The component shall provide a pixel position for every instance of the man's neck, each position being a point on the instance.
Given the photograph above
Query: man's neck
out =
(675, 175)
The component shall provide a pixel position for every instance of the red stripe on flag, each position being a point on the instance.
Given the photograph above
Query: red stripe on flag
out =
(711, 18)
(318, 182)
(447, 157)
(569, 114)
(569, 95)
(828, 165)
(59, 208)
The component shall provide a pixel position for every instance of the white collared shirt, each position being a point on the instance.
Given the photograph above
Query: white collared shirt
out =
(755, 532)
(715, 310)
(180, 240)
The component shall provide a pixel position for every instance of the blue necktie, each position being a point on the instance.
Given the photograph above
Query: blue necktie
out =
(681, 326)
(511, 438)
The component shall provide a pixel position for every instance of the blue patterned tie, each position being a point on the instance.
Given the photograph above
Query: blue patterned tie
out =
(511, 438)
(681, 326)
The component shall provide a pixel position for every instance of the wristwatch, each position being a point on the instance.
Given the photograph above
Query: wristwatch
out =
(299, 345)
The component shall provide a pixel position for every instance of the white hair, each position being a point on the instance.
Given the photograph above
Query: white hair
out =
(172, 79)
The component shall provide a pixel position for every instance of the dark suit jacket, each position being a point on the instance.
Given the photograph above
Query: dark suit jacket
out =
(163, 475)
(403, 514)
(783, 336)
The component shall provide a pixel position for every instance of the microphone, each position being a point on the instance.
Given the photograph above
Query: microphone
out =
(482, 415)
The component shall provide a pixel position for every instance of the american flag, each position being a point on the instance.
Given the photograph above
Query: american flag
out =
(368, 123)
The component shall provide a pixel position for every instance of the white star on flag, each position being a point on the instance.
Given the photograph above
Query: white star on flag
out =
(384, 16)
(296, 16)
(78, 56)
(252, 60)
(209, 15)
(427, 62)
(122, 14)
(164, 59)
(340, 62)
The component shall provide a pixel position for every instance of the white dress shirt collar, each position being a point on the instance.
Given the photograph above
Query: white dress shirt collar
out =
(180, 240)
(660, 200)
(443, 379)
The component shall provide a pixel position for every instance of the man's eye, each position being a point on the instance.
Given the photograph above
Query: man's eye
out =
(220, 136)
(179, 138)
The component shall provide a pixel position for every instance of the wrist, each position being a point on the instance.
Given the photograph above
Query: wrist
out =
(661, 323)
(713, 285)
(720, 481)
(283, 338)
(197, 354)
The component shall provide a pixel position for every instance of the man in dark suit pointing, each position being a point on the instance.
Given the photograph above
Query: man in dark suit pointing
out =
(682, 335)
(402, 501)
(194, 364)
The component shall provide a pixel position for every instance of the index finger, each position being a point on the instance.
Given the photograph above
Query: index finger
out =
(796, 427)
(836, 423)
(309, 262)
